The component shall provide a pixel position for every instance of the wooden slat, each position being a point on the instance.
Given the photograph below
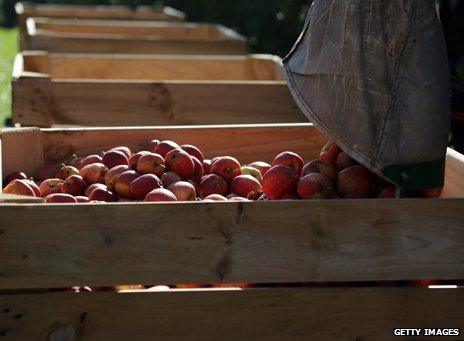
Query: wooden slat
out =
(267, 314)
(258, 242)
(18, 199)
(454, 174)
(130, 103)
(76, 43)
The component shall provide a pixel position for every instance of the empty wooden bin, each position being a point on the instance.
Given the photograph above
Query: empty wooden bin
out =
(128, 90)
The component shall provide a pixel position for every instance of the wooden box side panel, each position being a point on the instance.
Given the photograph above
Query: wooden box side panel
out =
(259, 314)
(454, 175)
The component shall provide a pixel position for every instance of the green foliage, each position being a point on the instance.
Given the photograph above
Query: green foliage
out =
(8, 50)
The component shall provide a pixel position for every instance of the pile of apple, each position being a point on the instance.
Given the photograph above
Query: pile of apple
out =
(166, 171)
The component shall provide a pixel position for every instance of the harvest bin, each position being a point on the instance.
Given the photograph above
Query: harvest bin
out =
(27, 10)
(130, 90)
(345, 242)
(132, 37)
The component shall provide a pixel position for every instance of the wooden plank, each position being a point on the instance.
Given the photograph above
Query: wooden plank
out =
(454, 174)
(256, 242)
(18, 199)
(81, 43)
(266, 314)
(134, 103)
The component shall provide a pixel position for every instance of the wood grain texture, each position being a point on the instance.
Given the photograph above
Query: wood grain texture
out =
(18, 199)
(43, 102)
(257, 242)
(267, 314)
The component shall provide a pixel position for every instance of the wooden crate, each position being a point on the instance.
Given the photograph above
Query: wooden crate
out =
(341, 241)
(61, 35)
(131, 90)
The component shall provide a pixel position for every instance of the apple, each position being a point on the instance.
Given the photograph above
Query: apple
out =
(113, 174)
(238, 199)
(14, 176)
(278, 181)
(207, 166)
(160, 194)
(226, 167)
(432, 192)
(92, 187)
(101, 194)
(193, 151)
(19, 187)
(165, 147)
(263, 167)
(169, 178)
(246, 186)
(198, 171)
(355, 181)
(151, 163)
(114, 158)
(184, 191)
(50, 186)
(88, 160)
(123, 149)
(213, 184)
(254, 172)
(290, 196)
(344, 161)
(94, 173)
(82, 199)
(134, 159)
(73, 185)
(215, 197)
(318, 166)
(181, 163)
(329, 153)
(122, 186)
(60, 198)
(314, 186)
(66, 171)
(48, 171)
(34, 186)
(140, 187)
(152, 145)
(390, 193)
(290, 160)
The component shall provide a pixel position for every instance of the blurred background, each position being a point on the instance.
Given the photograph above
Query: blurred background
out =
(271, 26)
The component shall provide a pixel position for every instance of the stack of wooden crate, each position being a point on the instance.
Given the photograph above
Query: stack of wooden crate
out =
(319, 270)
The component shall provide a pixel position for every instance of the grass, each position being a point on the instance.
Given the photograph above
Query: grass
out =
(8, 50)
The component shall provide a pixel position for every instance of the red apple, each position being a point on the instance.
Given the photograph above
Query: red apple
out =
(432, 192)
(213, 184)
(215, 197)
(122, 186)
(329, 153)
(390, 193)
(123, 149)
(355, 180)
(207, 166)
(278, 181)
(34, 187)
(246, 186)
(73, 185)
(318, 166)
(140, 187)
(198, 171)
(113, 174)
(82, 199)
(193, 151)
(160, 194)
(88, 160)
(314, 186)
(254, 172)
(151, 163)
(50, 186)
(60, 198)
(184, 191)
(344, 161)
(165, 147)
(290, 160)
(94, 173)
(291, 196)
(152, 145)
(238, 199)
(169, 178)
(135, 158)
(14, 176)
(114, 158)
(66, 171)
(19, 187)
(101, 194)
(92, 187)
(263, 167)
(181, 163)
(226, 167)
